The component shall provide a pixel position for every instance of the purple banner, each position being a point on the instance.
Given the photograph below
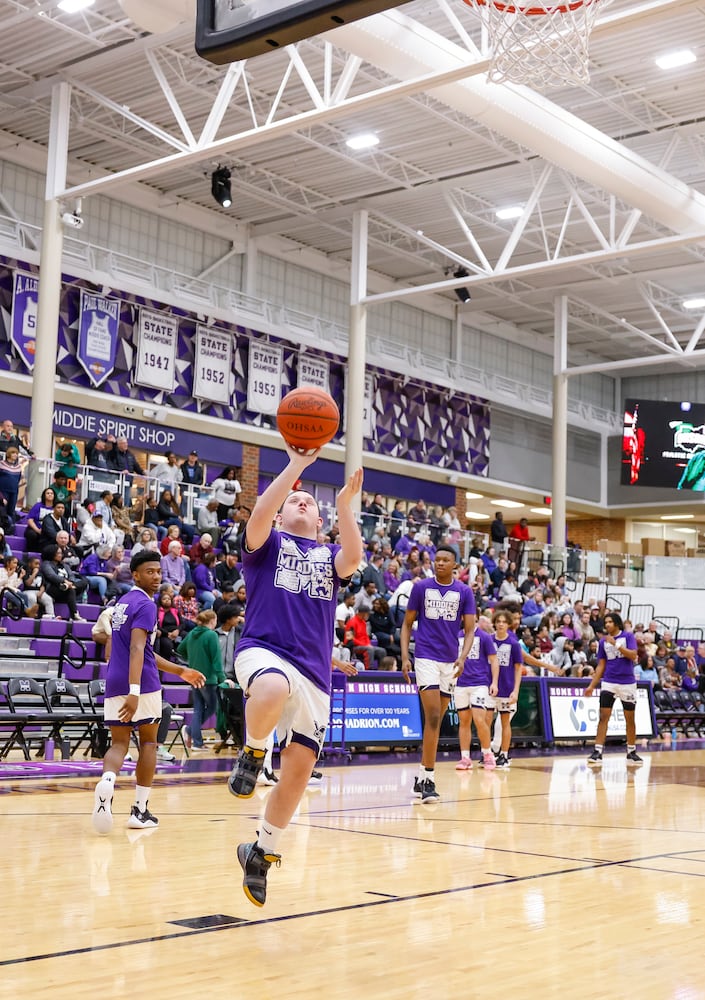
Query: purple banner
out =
(97, 335)
(25, 296)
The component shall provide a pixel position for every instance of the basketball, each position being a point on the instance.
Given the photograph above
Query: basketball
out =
(307, 418)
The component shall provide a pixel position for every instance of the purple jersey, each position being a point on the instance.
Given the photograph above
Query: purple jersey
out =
(477, 671)
(439, 612)
(292, 590)
(135, 609)
(618, 669)
(509, 653)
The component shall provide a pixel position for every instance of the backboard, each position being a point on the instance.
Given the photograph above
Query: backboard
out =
(230, 30)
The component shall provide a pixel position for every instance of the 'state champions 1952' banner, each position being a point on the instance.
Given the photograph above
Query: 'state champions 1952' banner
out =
(156, 350)
(25, 298)
(313, 371)
(264, 378)
(214, 361)
(98, 335)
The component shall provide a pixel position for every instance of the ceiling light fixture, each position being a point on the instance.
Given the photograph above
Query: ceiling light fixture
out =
(221, 188)
(510, 212)
(546, 511)
(507, 503)
(697, 303)
(672, 60)
(73, 6)
(677, 517)
(474, 496)
(364, 141)
(476, 516)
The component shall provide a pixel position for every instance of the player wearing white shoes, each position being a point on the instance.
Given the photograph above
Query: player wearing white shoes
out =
(474, 691)
(616, 656)
(133, 696)
(510, 657)
(441, 605)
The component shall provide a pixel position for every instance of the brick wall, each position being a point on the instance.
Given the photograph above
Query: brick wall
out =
(586, 533)
(249, 474)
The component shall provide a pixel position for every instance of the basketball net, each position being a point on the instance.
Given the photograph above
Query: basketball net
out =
(542, 45)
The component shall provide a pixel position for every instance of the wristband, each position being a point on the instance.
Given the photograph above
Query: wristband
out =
(135, 689)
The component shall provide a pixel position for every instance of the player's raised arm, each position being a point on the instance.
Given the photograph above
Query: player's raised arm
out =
(348, 558)
(268, 503)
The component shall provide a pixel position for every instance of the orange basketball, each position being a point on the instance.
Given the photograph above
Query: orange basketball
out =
(307, 418)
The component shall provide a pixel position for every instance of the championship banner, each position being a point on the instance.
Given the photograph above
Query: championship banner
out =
(214, 360)
(156, 353)
(264, 378)
(368, 407)
(25, 297)
(313, 371)
(98, 335)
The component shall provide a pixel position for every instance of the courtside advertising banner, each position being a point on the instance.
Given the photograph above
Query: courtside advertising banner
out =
(25, 298)
(212, 375)
(98, 335)
(378, 712)
(573, 716)
(156, 352)
(313, 371)
(264, 378)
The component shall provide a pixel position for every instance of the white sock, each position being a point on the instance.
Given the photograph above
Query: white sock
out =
(598, 747)
(254, 744)
(269, 836)
(141, 797)
(631, 749)
(486, 751)
(109, 776)
(422, 772)
(465, 755)
(429, 774)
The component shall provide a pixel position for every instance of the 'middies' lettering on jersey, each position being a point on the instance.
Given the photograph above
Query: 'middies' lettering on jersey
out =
(441, 606)
(310, 571)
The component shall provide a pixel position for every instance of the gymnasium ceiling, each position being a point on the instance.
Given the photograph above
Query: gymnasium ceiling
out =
(610, 174)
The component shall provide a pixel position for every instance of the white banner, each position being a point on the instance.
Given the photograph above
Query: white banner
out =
(156, 352)
(264, 378)
(313, 371)
(212, 375)
(575, 717)
(368, 407)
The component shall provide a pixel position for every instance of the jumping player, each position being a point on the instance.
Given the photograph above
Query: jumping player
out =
(616, 656)
(283, 661)
(442, 606)
(133, 695)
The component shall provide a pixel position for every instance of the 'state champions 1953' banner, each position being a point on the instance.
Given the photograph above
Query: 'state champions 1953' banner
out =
(264, 378)
(156, 350)
(214, 361)
(25, 298)
(98, 335)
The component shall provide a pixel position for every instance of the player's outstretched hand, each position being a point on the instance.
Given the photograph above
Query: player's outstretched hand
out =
(194, 677)
(352, 487)
(302, 459)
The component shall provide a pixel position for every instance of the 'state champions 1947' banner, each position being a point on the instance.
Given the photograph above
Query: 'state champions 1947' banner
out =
(214, 361)
(98, 335)
(25, 298)
(264, 378)
(156, 351)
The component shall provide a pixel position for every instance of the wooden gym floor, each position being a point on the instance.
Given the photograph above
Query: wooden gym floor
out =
(545, 881)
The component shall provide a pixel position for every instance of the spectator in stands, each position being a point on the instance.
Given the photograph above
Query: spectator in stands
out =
(61, 488)
(61, 583)
(533, 609)
(406, 542)
(374, 573)
(72, 557)
(199, 549)
(669, 642)
(96, 533)
(597, 621)
(489, 560)
(508, 590)
(122, 522)
(668, 675)
(98, 453)
(173, 568)
(192, 472)
(392, 578)
(11, 578)
(186, 603)
(11, 479)
(343, 613)
(226, 572)
(365, 596)
(660, 656)
(418, 514)
(383, 629)
(587, 632)
(206, 590)
(10, 438)
(207, 520)
(5, 549)
(567, 627)
(498, 530)
(94, 570)
(102, 506)
(146, 539)
(396, 522)
(201, 648)
(226, 490)
(228, 631)
(34, 589)
(691, 677)
(561, 656)
(33, 529)
(233, 530)
(498, 574)
(240, 600)
(427, 569)
(367, 518)
(168, 627)
(52, 524)
(357, 640)
(173, 534)
(169, 515)
(436, 525)
(168, 475)
(118, 565)
(69, 456)
(123, 460)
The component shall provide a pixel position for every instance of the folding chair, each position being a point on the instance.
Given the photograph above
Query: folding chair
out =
(66, 704)
(28, 705)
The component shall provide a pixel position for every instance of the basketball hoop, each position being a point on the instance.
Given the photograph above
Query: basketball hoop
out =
(542, 45)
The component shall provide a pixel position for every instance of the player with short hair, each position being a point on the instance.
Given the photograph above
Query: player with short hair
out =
(616, 656)
(283, 659)
(473, 696)
(133, 694)
(442, 606)
(511, 660)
